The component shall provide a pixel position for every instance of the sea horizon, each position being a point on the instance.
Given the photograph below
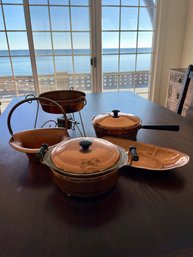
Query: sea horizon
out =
(81, 61)
(21, 52)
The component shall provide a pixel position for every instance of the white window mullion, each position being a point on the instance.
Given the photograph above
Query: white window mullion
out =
(119, 47)
(52, 45)
(72, 45)
(9, 51)
(96, 44)
(137, 52)
(31, 45)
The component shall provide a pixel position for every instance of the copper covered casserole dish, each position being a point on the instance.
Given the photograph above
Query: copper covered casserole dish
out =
(85, 166)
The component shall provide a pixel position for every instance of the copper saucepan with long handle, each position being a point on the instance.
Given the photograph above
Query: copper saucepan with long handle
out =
(123, 124)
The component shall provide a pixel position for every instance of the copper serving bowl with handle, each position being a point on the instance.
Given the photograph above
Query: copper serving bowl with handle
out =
(120, 124)
(85, 167)
(30, 141)
(70, 100)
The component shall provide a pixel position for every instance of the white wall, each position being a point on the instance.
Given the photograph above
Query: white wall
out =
(169, 44)
(187, 57)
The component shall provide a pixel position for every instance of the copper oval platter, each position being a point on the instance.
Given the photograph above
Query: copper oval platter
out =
(152, 157)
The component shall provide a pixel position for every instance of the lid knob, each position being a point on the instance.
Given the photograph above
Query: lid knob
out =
(115, 113)
(85, 144)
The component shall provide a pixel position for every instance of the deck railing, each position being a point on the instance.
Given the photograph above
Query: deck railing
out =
(10, 87)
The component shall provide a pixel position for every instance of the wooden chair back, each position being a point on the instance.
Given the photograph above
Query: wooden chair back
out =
(186, 82)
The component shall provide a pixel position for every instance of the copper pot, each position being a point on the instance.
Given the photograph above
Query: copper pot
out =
(85, 166)
(70, 100)
(123, 125)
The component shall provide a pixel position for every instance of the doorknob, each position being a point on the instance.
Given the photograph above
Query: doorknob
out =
(93, 61)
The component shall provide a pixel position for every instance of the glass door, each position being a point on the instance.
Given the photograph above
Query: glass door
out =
(16, 76)
(45, 45)
(61, 36)
(127, 44)
(91, 45)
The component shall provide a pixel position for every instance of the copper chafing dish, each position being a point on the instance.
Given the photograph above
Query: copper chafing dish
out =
(70, 100)
(120, 124)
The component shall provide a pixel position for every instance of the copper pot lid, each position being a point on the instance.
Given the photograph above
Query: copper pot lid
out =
(117, 120)
(85, 155)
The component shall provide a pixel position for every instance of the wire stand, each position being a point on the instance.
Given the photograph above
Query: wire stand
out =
(72, 123)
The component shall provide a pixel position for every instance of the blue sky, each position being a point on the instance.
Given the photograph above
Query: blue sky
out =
(15, 21)
(116, 33)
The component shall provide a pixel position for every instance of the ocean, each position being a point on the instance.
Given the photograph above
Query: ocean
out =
(59, 60)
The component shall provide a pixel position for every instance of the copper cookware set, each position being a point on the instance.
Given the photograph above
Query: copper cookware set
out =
(84, 166)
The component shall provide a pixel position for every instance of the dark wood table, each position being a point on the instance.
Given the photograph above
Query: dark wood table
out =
(146, 214)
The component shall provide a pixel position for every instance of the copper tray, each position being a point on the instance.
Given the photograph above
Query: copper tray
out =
(152, 157)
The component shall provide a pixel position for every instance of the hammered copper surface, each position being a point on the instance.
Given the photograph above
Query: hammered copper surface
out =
(70, 100)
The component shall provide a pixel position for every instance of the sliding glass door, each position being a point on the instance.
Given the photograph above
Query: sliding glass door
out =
(127, 44)
(96, 45)
(45, 45)
(61, 37)
(15, 63)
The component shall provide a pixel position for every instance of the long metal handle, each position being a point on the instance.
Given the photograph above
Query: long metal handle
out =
(162, 127)
(34, 99)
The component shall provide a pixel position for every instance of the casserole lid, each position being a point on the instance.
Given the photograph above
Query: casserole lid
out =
(116, 120)
(84, 155)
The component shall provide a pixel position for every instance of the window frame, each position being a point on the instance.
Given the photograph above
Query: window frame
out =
(95, 39)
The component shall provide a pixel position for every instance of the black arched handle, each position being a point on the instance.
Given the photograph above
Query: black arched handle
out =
(34, 99)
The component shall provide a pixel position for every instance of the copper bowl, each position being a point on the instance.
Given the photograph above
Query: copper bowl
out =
(31, 141)
(70, 100)
(85, 167)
